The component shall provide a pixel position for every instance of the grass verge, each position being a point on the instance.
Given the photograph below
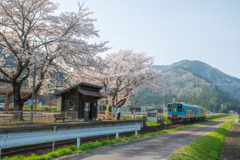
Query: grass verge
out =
(206, 147)
(149, 124)
(216, 115)
(91, 145)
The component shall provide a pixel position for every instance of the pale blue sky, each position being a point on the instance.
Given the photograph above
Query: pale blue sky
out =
(170, 30)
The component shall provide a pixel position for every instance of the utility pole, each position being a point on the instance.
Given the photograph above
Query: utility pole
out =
(33, 90)
(135, 101)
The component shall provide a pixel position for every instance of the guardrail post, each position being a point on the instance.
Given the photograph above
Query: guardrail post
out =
(0, 154)
(78, 142)
(53, 146)
(117, 135)
(136, 132)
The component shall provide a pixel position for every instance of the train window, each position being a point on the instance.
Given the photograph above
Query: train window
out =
(169, 108)
(180, 108)
(174, 109)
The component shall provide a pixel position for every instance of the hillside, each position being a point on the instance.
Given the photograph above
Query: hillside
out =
(180, 83)
(227, 84)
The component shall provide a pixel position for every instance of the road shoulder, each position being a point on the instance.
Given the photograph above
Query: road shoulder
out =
(231, 146)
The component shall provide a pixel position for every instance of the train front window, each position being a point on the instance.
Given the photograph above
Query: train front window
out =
(169, 108)
(179, 108)
(174, 109)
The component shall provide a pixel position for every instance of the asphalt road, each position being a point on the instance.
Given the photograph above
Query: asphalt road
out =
(157, 147)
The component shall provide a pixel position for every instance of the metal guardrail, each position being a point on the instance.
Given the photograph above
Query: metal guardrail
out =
(31, 138)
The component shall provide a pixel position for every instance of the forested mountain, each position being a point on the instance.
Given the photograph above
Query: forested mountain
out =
(194, 82)
(228, 84)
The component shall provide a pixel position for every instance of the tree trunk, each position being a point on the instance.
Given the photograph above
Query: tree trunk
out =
(18, 103)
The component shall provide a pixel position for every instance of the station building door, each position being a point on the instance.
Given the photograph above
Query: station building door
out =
(89, 109)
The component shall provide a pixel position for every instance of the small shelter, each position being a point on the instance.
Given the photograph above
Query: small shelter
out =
(139, 109)
(154, 115)
(7, 90)
(81, 98)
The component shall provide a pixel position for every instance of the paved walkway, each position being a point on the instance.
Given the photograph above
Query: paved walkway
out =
(158, 147)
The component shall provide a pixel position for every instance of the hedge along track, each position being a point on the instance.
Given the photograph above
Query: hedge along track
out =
(40, 149)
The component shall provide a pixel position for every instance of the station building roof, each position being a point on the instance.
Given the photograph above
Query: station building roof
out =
(83, 91)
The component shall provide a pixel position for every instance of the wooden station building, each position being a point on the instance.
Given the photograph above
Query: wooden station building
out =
(82, 98)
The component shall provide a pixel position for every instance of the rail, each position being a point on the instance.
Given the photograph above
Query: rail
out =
(31, 138)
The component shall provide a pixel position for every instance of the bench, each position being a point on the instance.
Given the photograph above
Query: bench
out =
(61, 117)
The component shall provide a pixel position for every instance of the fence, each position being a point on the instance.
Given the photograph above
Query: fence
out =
(19, 117)
(16, 117)
(124, 115)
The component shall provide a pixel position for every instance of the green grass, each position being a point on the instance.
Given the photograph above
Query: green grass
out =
(152, 124)
(165, 120)
(236, 123)
(223, 118)
(91, 145)
(216, 115)
(140, 116)
(206, 147)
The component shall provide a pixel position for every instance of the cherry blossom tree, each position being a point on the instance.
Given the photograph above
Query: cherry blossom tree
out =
(124, 73)
(33, 37)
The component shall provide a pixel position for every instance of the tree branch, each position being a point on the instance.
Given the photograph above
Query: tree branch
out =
(9, 45)
(4, 73)
(5, 81)
(25, 77)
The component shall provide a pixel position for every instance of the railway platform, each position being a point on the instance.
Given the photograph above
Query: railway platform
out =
(31, 134)
(34, 127)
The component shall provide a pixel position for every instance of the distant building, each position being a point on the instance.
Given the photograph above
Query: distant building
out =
(231, 112)
(142, 109)
(154, 115)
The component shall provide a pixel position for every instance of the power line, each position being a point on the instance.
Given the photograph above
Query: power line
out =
(214, 84)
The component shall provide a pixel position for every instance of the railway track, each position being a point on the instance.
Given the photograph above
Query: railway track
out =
(47, 147)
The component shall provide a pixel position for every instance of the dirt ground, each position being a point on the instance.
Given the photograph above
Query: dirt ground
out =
(231, 148)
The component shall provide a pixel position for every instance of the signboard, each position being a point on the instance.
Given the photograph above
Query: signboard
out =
(30, 102)
(40, 105)
(114, 110)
